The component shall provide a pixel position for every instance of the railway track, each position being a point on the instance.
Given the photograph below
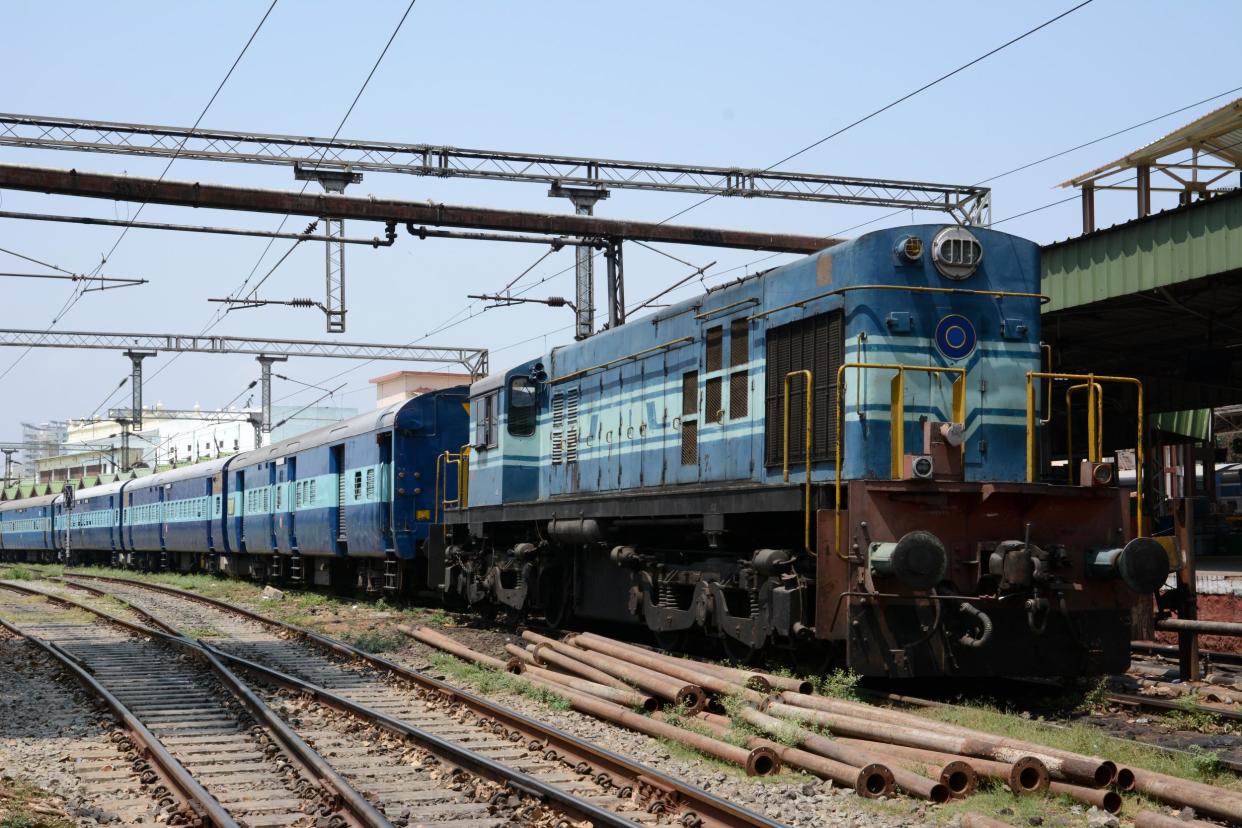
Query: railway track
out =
(463, 730)
(217, 745)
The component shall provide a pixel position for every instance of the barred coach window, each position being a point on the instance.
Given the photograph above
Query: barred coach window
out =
(523, 410)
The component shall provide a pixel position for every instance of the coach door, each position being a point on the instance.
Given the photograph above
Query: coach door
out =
(213, 510)
(239, 519)
(291, 504)
(338, 469)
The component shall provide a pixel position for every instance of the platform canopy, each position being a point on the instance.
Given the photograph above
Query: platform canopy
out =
(1191, 161)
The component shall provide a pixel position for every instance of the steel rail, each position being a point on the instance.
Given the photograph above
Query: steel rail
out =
(357, 809)
(463, 757)
(680, 796)
(204, 807)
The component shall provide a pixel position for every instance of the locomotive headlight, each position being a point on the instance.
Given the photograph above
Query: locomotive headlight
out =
(956, 253)
(910, 249)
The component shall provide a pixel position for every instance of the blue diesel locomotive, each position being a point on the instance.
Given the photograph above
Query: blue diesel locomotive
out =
(844, 458)
(839, 458)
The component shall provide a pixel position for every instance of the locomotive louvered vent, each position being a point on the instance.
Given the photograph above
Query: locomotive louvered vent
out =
(815, 344)
(739, 395)
(715, 411)
(715, 348)
(739, 358)
(689, 443)
(571, 426)
(690, 393)
(558, 429)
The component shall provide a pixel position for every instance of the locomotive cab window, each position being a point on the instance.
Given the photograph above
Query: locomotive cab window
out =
(523, 406)
(485, 426)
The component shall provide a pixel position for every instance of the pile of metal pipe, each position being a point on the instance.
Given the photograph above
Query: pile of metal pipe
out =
(874, 750)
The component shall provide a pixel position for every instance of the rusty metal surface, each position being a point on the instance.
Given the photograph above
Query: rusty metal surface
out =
(194, 194)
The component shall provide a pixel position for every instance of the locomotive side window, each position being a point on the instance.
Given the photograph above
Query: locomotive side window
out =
(523, 410)
(815, 345)
(485, 427)
(739, 356)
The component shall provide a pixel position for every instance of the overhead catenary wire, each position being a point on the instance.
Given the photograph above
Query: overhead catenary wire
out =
(219, 315)
(452, 321)
(78, 293)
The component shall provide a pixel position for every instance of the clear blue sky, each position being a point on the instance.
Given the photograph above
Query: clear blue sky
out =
(729, 83)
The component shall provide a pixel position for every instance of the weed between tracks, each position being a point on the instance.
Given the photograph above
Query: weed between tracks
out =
(23, 805)
(490, 682)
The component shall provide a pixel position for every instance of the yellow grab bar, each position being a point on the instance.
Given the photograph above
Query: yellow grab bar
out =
(1091, 379)
(1095, 414)
(897, 437)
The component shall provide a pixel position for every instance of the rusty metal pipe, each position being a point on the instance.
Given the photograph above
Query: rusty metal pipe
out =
(1102, 798)
(1206, 799)
(546, 655)
(431, 638)
(524, 656)
(629, 698)
(704, 679)
(754, 679)
(870, 781)
(757, 762)
(1069, 767)
(912, 783)
(896, 717)
(973, 820)
(1124, 780)
(1026, 776)
(1228, 628)
(689, 696)
(1152, 819)
(957, 773)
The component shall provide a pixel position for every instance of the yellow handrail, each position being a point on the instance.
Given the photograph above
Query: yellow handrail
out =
(897, 437)
(1031, 376)
(461, 459)
(1095, 440)
(807, 444)
(1046, 351)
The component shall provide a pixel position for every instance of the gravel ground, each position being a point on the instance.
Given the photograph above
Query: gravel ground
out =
(46, 750)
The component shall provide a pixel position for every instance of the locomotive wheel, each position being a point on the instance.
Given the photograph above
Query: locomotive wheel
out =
(676, 641)
(558, 605)
(740, 652)
(810, 658)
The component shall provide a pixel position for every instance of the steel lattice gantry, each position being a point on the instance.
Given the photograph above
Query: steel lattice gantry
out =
(138, 346)
(336, 163)
(968, 204)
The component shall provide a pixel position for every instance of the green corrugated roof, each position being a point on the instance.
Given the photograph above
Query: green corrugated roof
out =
(1195, 423)
(1200, 239)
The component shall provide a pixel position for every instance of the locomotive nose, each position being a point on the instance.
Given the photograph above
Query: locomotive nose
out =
(919, 560)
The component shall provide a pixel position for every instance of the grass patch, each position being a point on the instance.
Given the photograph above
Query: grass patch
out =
(839, 684)
(18, 573)
(1190, 716)
(1082, 738)
(377, 641)
(492, 682)
(23, 805)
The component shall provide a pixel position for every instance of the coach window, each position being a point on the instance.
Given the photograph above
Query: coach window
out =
(485, 427)
(523, 410)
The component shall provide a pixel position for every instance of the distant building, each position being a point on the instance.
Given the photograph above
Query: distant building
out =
(402, 385)
(49, 435)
